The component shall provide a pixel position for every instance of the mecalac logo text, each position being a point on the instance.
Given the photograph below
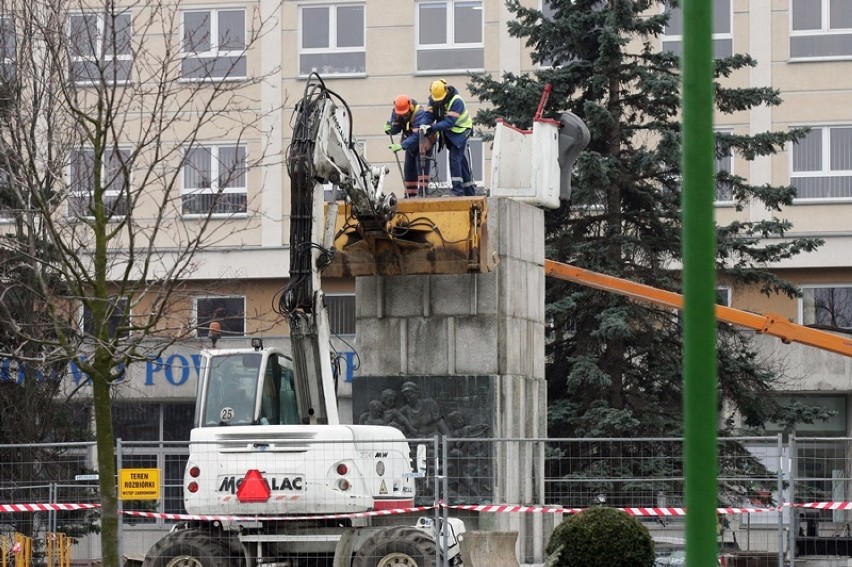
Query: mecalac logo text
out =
(295, 483)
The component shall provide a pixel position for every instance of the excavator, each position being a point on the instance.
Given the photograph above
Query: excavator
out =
(273, 478)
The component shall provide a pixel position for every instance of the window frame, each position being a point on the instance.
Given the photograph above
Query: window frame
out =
(214, 173)
(825, 171)
(450, 44)
(717, 37)
(168, 455)
(101, 57)
(332, 38)
(802, 319)
(7, 215)
(226, 333)
(214, 51)
(443, 166)
(825, 30)
(6, 62)
(117, 194)
(718, 165)
(116, 319)
(335, 324)
(547, 12)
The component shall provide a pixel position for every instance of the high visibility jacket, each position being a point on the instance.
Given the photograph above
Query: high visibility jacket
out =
(463, 121)
(409, 126)
(453, 119)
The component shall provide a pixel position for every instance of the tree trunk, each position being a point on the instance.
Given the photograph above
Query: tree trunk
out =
(102, 406)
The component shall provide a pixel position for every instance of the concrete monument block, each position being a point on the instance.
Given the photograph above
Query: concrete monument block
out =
(473, 346)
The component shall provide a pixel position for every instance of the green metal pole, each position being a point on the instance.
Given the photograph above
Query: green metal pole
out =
(699, 285)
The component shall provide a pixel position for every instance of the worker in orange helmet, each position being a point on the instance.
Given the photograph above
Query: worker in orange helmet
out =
(406, 118)
(454, 124)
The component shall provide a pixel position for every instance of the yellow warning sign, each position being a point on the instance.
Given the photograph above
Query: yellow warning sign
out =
(139, 484)
(383, 489)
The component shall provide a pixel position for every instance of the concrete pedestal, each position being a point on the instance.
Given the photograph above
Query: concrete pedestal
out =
(455, 334)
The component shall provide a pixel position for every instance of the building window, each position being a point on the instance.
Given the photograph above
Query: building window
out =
(10, 195)
(449, 36)
(214, 44)
(119, 318)
(156, 423)
(100, 47)
(115, 181)
(723, 39)
(820, 29)
(229, 311)
(548, 10)
(821, 164)
(341, 313)
(829, 307)
(332, 39)
(724, 165)
(8, 49)
(476, 158)
(214, 180)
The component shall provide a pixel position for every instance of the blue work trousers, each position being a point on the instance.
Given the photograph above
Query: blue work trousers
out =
(460, 173)
(416, 173)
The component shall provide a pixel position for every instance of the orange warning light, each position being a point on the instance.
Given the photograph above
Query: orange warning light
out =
(254, 488)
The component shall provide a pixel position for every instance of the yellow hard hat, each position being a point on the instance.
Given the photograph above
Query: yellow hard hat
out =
(438, 90)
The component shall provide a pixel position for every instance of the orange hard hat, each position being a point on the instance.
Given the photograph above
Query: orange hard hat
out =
(402, 104)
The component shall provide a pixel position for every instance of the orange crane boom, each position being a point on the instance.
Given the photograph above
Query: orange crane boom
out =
(770, 324)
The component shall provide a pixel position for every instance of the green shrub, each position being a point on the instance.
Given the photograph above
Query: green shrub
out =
(600, 537)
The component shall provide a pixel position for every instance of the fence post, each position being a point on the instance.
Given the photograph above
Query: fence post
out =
(780, 488)
(794, 520)
(53, 498)
(445, 492)
(118, 465)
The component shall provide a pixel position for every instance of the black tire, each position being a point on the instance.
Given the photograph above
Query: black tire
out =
(189, 548)
(398, 546)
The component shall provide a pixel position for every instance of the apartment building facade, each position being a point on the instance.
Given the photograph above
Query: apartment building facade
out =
(368, 52)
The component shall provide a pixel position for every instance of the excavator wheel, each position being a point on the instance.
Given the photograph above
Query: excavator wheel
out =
(398, 546)
(188, 548)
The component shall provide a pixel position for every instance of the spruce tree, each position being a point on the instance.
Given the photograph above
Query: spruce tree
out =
(614, 366)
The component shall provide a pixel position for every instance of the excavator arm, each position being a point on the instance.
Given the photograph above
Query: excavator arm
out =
(322, 152)
(770, 324)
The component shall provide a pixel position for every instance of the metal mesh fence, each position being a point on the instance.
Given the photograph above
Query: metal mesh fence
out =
(309, 498)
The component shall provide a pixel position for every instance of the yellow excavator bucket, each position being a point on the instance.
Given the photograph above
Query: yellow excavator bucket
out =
(434, 235)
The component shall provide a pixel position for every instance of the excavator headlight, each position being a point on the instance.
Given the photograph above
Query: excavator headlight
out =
(257, 344)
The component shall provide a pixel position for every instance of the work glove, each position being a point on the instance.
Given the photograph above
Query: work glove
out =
(395, 147)
(387, 127)
(425, 129)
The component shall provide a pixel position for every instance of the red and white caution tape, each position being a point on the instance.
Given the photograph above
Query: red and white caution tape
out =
(226, 518)
(510, 508)
(45, 507)
(642, 512)
(825, 505)
(485, 508)
(682, 511)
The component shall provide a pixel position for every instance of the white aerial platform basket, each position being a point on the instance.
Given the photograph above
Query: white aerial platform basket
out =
(525, 165)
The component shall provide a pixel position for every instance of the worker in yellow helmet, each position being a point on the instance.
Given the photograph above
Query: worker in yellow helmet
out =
(407, 117)
(454, 124)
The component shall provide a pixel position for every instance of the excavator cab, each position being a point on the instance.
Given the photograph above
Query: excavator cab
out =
(246, 387)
